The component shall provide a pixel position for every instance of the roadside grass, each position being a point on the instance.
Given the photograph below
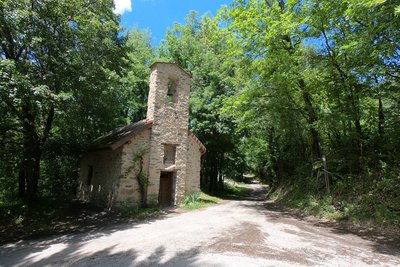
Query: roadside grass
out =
(44, 217)
(362, 207)
(235, 190)
(232, 190)
(199, 200)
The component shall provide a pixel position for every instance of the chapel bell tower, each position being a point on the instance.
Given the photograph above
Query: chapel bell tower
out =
(168, 108)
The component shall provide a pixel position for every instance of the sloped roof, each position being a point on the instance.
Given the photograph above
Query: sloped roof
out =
(202, 148)
(119, 136)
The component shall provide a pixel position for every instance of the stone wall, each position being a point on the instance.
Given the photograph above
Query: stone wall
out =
(192, 182)
(115, 182)
(128, 189)
(170, 126)
(104, 183)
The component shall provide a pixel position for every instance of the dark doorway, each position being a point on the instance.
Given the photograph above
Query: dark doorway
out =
(165, 197)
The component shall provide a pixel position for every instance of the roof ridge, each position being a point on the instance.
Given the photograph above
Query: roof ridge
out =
(120, 135)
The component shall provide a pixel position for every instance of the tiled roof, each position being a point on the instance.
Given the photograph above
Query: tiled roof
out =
(119, 136)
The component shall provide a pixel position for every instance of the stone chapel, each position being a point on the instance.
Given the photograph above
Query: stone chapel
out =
(160, 149)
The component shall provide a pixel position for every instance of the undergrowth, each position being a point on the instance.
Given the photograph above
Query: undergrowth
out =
(199, 200)
(374, 202)
(234, 190)
(20, 220)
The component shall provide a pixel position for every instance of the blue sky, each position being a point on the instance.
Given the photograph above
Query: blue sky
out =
(158, 15)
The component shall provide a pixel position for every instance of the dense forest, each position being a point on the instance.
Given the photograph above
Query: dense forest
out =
(303, 94)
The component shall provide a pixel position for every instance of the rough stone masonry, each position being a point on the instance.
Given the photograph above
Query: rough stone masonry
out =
(170, 153)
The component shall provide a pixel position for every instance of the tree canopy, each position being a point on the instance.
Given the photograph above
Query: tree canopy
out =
(303, 94)
(66, 77)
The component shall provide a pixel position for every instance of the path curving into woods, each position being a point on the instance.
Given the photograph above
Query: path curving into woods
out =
(249, 232)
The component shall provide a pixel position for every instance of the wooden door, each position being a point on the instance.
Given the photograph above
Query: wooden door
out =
(165, 195)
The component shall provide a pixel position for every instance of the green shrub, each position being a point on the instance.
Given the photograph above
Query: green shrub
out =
(193, 198)
(199, 200)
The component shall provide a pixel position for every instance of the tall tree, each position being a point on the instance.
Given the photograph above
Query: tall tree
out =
(135, 81)
(325, 67)
(197, 46)
(275, 60)
(56, 57)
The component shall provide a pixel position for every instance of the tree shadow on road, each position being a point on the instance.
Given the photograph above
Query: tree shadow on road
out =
(71, 256)
(13, 254)
(158, 257)
(73, 253)
(49, 218)
(249, 191)
(382, 242)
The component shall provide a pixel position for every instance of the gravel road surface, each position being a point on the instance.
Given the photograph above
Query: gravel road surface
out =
(248, 232)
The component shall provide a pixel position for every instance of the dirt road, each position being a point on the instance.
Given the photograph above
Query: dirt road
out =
(234, 233)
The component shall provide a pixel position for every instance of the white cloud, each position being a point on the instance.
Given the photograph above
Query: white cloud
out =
(122, 6)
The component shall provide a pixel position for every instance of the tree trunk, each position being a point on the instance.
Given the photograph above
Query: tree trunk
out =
(211, 171)
(213, 178)
(307, 98)
(312, 121)
(220, 182)
(326, 176)
(33, 174)
(31, 154)
(21, 181)
(357, 124)
(272, 153)
(220, 173)
(381, 116)
(356, 113)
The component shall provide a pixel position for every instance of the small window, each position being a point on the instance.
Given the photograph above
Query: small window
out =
(172, 93)
(169, 154)
(90, 175)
